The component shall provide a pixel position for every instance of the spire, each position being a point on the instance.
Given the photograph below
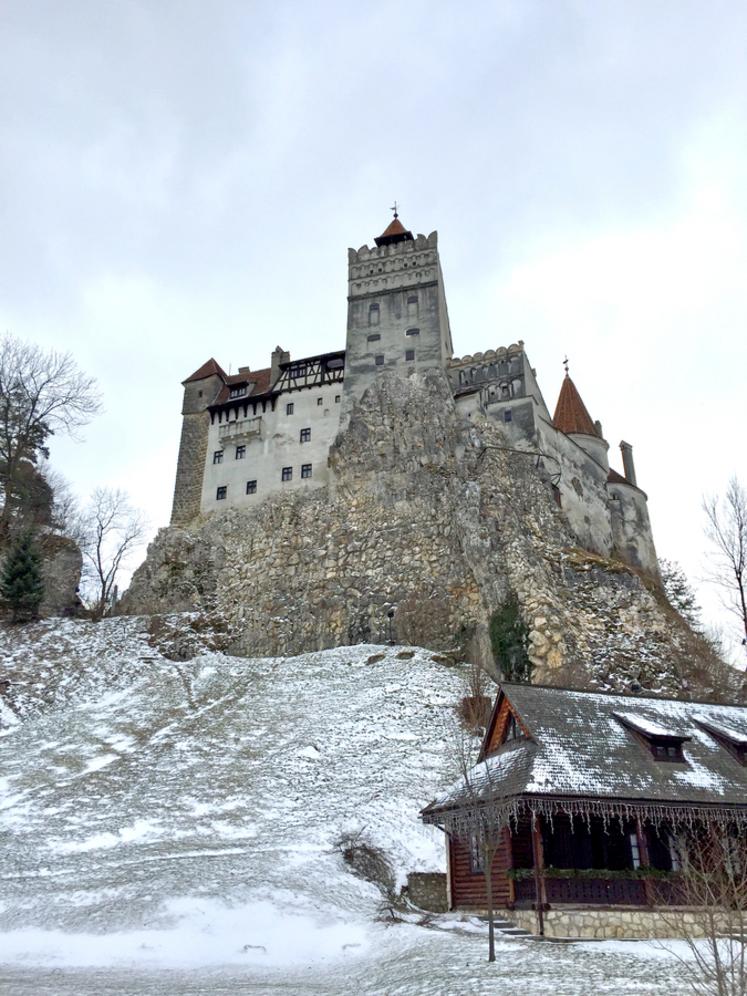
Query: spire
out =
(394, 232)
(571, 414)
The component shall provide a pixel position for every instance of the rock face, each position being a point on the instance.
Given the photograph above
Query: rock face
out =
(433, 518)
(61, 564)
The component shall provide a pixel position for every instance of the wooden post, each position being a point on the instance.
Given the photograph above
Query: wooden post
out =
(510, 864)
(645, 860)
(539, 878)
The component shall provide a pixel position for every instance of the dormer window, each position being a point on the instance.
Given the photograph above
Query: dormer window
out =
(238, 392)
(732, 740)
(664, 744)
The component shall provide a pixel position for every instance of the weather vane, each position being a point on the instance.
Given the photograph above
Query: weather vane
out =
(394, 208)
(565, 364)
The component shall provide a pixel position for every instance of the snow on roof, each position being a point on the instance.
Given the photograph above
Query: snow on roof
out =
(648, 727)
(738, 737)
(579, 748)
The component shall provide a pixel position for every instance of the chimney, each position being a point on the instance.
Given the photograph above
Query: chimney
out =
(244, 370)
(628, 466)
(279, 356)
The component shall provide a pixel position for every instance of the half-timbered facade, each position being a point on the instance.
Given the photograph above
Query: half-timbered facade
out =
(582, 798)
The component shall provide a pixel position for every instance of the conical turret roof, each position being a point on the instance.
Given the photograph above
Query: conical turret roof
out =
(394, 232)
(571, 414)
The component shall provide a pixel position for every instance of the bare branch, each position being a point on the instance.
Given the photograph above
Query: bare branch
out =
(726, 530)
(111, 529)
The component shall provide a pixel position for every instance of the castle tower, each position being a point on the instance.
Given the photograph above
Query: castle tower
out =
(572, 417)
(200, 390)
(397, 316)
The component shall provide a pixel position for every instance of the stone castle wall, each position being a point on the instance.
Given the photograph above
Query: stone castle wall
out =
(425, 515)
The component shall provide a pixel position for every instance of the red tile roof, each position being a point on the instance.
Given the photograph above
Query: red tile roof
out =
(208, 369)
(258, 381)
(571, 415)
(394, 232)
(614, 478)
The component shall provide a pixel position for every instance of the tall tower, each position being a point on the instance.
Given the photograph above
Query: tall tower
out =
(200, 390)
(397, 316)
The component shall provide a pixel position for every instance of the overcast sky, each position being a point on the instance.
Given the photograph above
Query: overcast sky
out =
(182, 179)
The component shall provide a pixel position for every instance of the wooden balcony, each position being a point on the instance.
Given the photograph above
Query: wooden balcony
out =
(591, 891)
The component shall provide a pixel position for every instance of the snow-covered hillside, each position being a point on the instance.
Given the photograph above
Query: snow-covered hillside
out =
(165, 816)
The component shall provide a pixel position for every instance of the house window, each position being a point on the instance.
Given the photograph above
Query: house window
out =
(337, 399)
(512, 731)
(373, 338)
(635, 850)
(238, 392)
(410, 355)
(475, 858)
(666, 751)
(508, 415)
(218, 456)
(289, 408)
(319, 401)
(373, 314)
(305, 470)
(240, 452)
(251, 487)
(287, 474)
(305, 435)
(379, 360)
(412, 306)
(412, 332)
(221, 492)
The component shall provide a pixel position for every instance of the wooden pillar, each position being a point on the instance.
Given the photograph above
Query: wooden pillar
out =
(645, 859)
(510, 864)
(539, 877)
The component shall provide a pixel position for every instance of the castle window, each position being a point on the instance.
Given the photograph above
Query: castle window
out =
(373, 314)
(221, 492)
(410, 355)
(319, 401)
(379, 360)
(508, 415)
(199, 394)
(337, 399)
(238, 392)
(305, 435)
(305, 470)
(251, 487)
(289, 408)
(374, 338)
(412, 306)
(218, 456)
(286, 474)
(412, 332)
(240, 452)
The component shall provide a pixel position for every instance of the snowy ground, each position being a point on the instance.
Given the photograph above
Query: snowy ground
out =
(171, 827)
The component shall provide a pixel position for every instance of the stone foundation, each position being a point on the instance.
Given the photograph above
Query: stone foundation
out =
(427, 891)
(602, 923)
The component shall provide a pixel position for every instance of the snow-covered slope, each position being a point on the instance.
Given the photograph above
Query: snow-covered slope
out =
(160, 810)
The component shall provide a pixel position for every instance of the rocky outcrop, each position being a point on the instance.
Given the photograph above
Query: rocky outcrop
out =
(61, 565)
(430, 525)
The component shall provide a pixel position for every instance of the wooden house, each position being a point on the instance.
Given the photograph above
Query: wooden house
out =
(584, 797)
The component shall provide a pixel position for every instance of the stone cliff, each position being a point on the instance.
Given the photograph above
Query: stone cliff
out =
(437, 520)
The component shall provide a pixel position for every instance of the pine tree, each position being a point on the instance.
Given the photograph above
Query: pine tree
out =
(21, 583)
(680, 592)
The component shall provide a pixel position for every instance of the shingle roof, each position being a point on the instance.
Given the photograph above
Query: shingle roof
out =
(579, 748)
(394, 232)
(258, 382)
(571, 414)
(208, 369)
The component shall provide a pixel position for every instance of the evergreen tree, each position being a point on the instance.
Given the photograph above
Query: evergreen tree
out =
(679, 592)
(21, 583)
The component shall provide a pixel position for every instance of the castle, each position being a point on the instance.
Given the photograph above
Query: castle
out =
(256, 434)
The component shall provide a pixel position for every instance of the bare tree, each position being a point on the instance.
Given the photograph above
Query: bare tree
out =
(111, 529)
(712, 885)
(726, 528)
(477, 790)
(41, 393)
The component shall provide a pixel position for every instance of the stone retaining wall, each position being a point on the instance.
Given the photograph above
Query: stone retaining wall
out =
(621, 922)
